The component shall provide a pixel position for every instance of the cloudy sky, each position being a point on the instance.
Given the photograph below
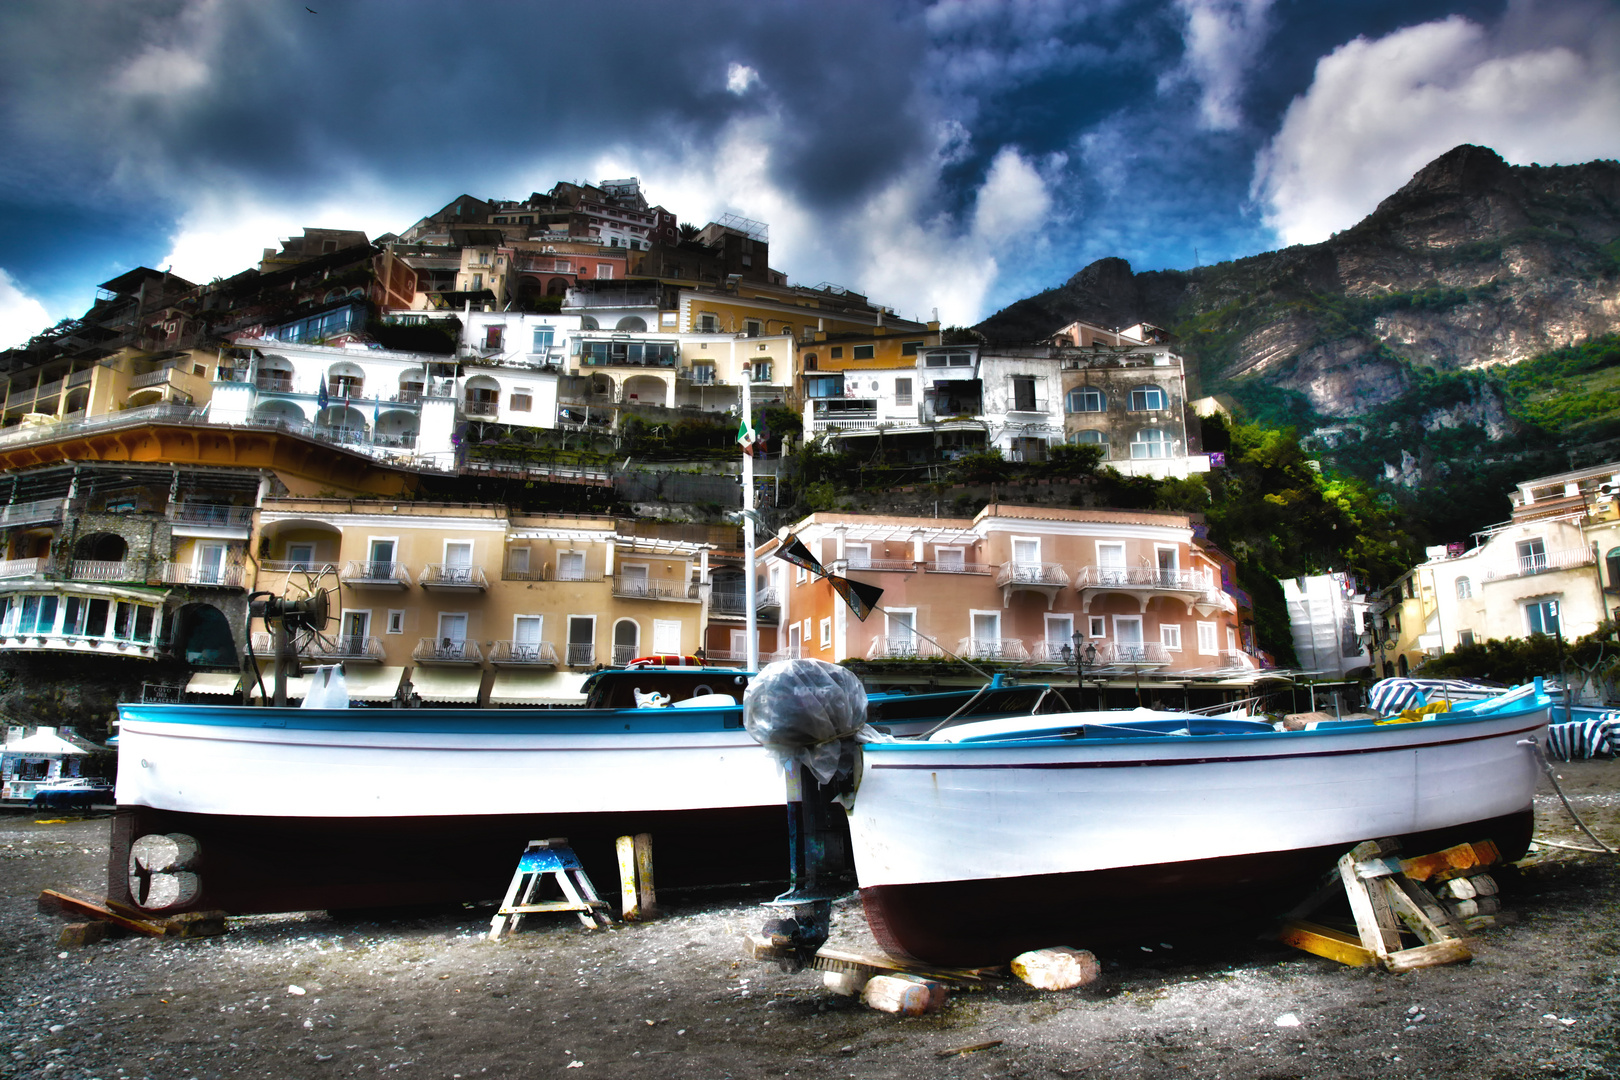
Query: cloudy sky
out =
(953, 155)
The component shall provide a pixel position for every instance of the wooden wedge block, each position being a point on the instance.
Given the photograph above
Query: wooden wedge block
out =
(1452, 951)
(83, 933)
(1425, 867)
(1056, 968)
(845, 983)
(904, 995)
(68, 904)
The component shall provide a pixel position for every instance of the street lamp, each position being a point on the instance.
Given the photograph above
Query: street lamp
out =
(1083, 658)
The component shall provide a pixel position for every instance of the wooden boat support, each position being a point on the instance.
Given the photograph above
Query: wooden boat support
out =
(1385, 894)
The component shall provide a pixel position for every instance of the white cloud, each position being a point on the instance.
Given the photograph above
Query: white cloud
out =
(1222, 41)
(21, 316)
(739, 77)
(1378, 111)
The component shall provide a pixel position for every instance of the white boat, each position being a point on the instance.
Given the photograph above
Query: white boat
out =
(296, 809)
(1004, 835)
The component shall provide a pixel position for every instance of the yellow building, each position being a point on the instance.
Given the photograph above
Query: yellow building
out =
(459, 604)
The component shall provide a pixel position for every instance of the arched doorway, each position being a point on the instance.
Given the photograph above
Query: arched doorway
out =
(202, 636)
(626, 641)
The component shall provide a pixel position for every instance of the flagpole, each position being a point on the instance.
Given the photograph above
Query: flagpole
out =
(749, 587)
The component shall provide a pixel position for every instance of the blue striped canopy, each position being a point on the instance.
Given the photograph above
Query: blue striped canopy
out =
(1391, 696)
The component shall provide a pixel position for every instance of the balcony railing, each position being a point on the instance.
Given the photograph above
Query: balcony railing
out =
(211, 514)
(912, 648)
(151, 378)
(738, 656)
(350, 647)
(859, 562)
(1142, 577)
(32, 513)
(226, 577)
(581, 655)
(1031, 573)
(452, 576)
(1145, 654)
(16, 568)
(272, 385)
(538, 653)
(446, 651)
(733, 601)
(288, 566)
(366, 572)
(1558, 559)
(107, 570)
(992, 649)
(481, 408)
(937, 567)
(653, 588)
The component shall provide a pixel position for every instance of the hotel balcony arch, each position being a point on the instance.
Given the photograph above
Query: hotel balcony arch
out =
(631, 324)
(647, 389)
(280, 410)
(274, 374)
(483, 396)
(412, 385)
(345, 379)
(297, 546)
(342, 423)
(104, 556)
(396, 427)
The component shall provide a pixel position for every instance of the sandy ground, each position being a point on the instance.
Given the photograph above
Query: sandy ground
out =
(427, 996)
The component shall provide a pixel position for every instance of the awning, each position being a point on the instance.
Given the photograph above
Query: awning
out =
(374, 684)
(456, 686)
(519, 687)
(43, 741)
(226, 683)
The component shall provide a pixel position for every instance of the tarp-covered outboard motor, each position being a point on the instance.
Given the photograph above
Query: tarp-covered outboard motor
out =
(810, 714)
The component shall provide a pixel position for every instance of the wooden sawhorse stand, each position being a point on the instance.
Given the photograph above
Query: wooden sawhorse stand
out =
(1384, 893)
(556, 859)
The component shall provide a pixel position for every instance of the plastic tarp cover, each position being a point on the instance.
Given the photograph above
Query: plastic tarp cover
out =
(802, 710)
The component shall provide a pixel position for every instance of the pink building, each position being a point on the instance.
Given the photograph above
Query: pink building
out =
(1135, 593)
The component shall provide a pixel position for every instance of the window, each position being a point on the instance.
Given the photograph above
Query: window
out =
(492, 337)
(1023, 393)
(526, 637)
(477, 282)
(517, 560)
(1150, 443)
(985, 630)
(1147, 399)
(859, 556)
(1206, 638)
(1059, 636)
(581, 640)
(1170, 636)
(837, 352)
(800, 574)
(395, 623)
(543, 338)
(948, 359)
(522, 401)
(1532, 556)
(902, 391)
(902, 632)
(909, 348)
(862, 352)
(301, 556)
(708, 322)
(570, 566)
(1465, 638)
(604, 270)
(824, 386)
(354, 628)
(1084, 399)
(1541, 617)
(826, 633)
(761, 371)
(1098, 627)
(751, 327)
(1090, 435)
(1465, 588)
(951, 559)
(382, 559)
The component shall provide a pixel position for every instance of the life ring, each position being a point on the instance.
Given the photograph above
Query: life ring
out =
(665, 660)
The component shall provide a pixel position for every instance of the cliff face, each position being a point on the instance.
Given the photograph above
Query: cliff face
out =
(1474, 262)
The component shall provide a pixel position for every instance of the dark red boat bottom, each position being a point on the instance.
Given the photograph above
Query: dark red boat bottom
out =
(264, 864)
(989, 921)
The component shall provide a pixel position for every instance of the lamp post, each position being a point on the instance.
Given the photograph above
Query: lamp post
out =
(1083, 658)
(1558, 636)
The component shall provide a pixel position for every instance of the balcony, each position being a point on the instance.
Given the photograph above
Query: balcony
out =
(107, 570)
(897, 648)
(733, 601)
(273, 384)
(364, 574)
(635, 586)
(716, 657)
(1192, 587)
(581, 655)
(453, 577)
(22, 568)
(37, 512)
(481, 408)
(1133, 655)
(221, 514)
(1541, 562)
(523, 654)
(350, 648)
(223, 577)
(1009, 649)
(937, 567)
(447, 651)
(79, 642)
(858, 562)
(1047, 579)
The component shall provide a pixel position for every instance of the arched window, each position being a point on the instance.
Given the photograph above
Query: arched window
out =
(1090, 435)
(632, 324)
(1613, 559)
(626, 641)
(1150, 443)
(1147, 399)
(1465, 588)
(1084, 399)
(588, 322)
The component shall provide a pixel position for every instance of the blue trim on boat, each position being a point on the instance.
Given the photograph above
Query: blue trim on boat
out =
(472, 721)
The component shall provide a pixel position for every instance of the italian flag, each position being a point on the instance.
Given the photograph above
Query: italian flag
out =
(745, 434)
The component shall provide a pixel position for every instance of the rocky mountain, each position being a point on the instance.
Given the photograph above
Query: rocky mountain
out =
(1473, 263)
